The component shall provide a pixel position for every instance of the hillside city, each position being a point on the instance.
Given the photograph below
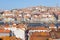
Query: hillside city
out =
(31, 23)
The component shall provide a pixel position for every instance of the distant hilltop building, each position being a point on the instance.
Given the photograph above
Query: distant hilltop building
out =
(31, 14)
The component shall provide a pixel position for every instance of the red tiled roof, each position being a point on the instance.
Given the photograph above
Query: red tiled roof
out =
(4, 31)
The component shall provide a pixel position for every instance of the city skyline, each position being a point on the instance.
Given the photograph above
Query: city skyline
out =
(18, 4)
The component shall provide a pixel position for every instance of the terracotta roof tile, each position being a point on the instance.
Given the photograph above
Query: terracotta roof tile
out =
(4, 31)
